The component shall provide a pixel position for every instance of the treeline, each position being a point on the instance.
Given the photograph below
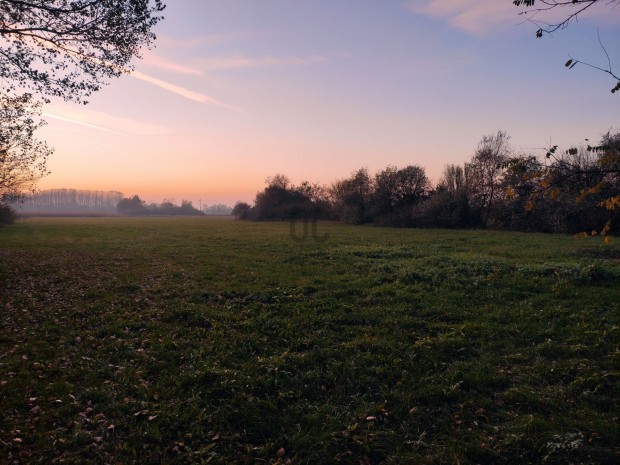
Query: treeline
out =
(135, 206)
(90, 202)
(70, 201)
(566, 192)
(218, 209)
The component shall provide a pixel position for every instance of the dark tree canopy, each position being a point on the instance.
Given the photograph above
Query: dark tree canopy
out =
(65, 48)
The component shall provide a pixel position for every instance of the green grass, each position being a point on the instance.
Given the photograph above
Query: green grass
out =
(193, 340)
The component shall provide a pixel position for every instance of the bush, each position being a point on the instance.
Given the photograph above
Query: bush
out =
(7, 215)
(241, 210)
(446, 210)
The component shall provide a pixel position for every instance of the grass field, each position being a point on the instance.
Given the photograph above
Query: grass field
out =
(193, 340)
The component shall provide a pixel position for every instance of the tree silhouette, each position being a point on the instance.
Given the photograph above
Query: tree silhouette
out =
(66, 48)
(485, 170)
(22, 157)
(59, 48)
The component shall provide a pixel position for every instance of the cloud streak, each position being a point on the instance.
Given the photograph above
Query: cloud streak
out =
(105, 122)
(82, 123)
(481, 17)
(245, 62)
(156, 62)
(183, 92)
(476, 17)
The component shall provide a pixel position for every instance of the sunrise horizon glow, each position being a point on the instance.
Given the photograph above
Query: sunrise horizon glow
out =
(235, 92)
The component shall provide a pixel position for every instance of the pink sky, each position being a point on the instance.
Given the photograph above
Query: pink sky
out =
(235, 92)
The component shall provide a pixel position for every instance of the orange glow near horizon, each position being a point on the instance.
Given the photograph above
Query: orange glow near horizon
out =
(211, 115)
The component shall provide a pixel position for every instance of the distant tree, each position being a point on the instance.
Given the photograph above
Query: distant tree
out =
(448, 205)
(352, 197)
(279, 181)
(217, 209)
(22, 157)
(167, 204)
(536, 14)
(453, 179)
(484, 173)
(319, 206)
(187, 208)
(132, 206)
(71, 201)
(241, 210)
(281, 200)
(66, 48)
(7, 215)
(275, 202)
(396, 191)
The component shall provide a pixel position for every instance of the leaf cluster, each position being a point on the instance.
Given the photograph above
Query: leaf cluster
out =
(22, 157)
(62, 48)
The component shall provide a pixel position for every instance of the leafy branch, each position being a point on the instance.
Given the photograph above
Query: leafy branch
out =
(548, 28)
(532, 15)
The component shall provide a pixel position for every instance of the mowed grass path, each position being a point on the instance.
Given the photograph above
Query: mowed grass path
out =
(193, 340)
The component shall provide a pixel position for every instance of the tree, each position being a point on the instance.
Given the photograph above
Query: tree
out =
(66, 48)
(279, 181)
(7, 215)
(448, 206)
(453, 179)
(396, 191)
(281, 200)
(241, 210)
(401, 187)
(518, 183)
(59, 48)
(22, 157)
(352, 197)
(217, 209)
(72, 200)
(484, 172)
(535, 14)
(132, 206)
(591, 174)
(576, 189)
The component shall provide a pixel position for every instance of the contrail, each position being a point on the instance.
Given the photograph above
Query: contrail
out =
(81, 123)
(189, 94)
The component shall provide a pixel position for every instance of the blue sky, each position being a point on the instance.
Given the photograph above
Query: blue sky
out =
(236, 91)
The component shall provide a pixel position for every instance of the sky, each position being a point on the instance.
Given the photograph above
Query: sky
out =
(236, 91)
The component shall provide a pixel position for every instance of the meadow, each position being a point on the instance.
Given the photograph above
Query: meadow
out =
(196, 340)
